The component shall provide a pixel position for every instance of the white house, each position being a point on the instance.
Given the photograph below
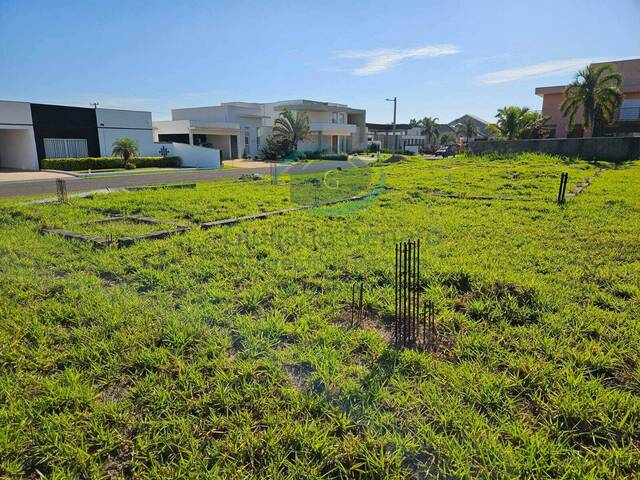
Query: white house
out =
(30, 132)
(240, 128)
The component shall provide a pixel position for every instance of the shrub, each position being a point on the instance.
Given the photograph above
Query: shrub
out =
(103, 163)
(328, 156)
(275, 149)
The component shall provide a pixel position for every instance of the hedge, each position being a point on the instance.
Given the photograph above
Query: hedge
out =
(328, 156)
(103, 163)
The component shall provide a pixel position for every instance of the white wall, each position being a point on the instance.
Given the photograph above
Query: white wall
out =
(15, 113)
(116, 124)
(194, 156)
(204, 114)
(18, 148)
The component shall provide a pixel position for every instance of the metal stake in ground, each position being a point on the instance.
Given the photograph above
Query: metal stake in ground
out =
(564, 178)
(61, 190)
(407, 293)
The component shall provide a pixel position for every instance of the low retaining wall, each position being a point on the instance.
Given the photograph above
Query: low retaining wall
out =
(613, 149)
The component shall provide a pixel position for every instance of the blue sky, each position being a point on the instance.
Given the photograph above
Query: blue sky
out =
(440, 58)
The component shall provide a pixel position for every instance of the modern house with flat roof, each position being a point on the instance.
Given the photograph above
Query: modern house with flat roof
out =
(241, 128)
(627, 121)
(30, 132)
(407, 136)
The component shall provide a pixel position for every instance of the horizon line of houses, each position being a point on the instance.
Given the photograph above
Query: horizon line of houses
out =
(30, 132)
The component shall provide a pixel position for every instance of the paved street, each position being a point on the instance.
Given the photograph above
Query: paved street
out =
(75, 184)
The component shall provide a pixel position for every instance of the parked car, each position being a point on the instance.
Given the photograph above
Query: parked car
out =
(446, 151)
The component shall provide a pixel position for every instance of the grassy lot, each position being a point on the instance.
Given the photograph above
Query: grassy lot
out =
(225, 352)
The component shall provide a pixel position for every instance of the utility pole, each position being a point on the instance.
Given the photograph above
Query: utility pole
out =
(395, 139)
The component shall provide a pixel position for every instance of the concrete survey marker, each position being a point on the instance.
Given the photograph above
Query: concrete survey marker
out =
(119, 230)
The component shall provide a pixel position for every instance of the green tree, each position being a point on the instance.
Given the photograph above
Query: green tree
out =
(595, 93)
(126, 148)
(430, 128)
(446, 139)
(291, 128)
(508, 121)
(519, 122)
(532, 125)
(467, 129)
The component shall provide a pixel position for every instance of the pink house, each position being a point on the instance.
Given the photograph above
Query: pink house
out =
(628, 120)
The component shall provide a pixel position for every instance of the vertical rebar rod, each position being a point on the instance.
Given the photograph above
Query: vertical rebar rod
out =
(416, 293)
(409, 289)
(414, 289)
(361, 305)
(353, 299)
(404, 288)
(418, 288)
(395, 318)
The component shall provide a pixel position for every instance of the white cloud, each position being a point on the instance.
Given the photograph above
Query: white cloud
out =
(380, 60)
(545, 69)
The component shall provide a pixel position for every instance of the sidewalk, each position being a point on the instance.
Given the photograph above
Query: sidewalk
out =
(22, 176)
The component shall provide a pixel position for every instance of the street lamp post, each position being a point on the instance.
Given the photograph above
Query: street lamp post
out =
(395, 139)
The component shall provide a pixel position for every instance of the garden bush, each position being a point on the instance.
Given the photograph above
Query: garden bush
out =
(103, 163)
(328, 156)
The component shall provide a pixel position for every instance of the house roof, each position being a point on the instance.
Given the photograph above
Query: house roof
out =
(479, 121)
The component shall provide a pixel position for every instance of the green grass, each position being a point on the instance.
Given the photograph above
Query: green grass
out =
(222, 353)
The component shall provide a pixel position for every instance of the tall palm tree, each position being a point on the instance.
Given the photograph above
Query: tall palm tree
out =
(430, 128)
(125, 148)
(291, 128)
(467, 129)
(595, 93)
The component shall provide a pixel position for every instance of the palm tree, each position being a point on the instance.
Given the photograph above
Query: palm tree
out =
(125, 148)
(596, 93)
(508, 121)
(467, 129)
(430, 128)
(446, 139)
(532, 125)
(291, 128)
(519, 122)
(414, 123)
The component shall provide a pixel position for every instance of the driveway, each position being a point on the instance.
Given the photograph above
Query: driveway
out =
(43, 186)
(7, 175)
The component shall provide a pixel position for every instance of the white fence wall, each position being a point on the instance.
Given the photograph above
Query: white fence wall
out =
(191, 155)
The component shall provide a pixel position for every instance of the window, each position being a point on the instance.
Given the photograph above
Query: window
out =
(334, 117)
(341, 119)
(258, 138)
(246, 137)
(65, 148)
